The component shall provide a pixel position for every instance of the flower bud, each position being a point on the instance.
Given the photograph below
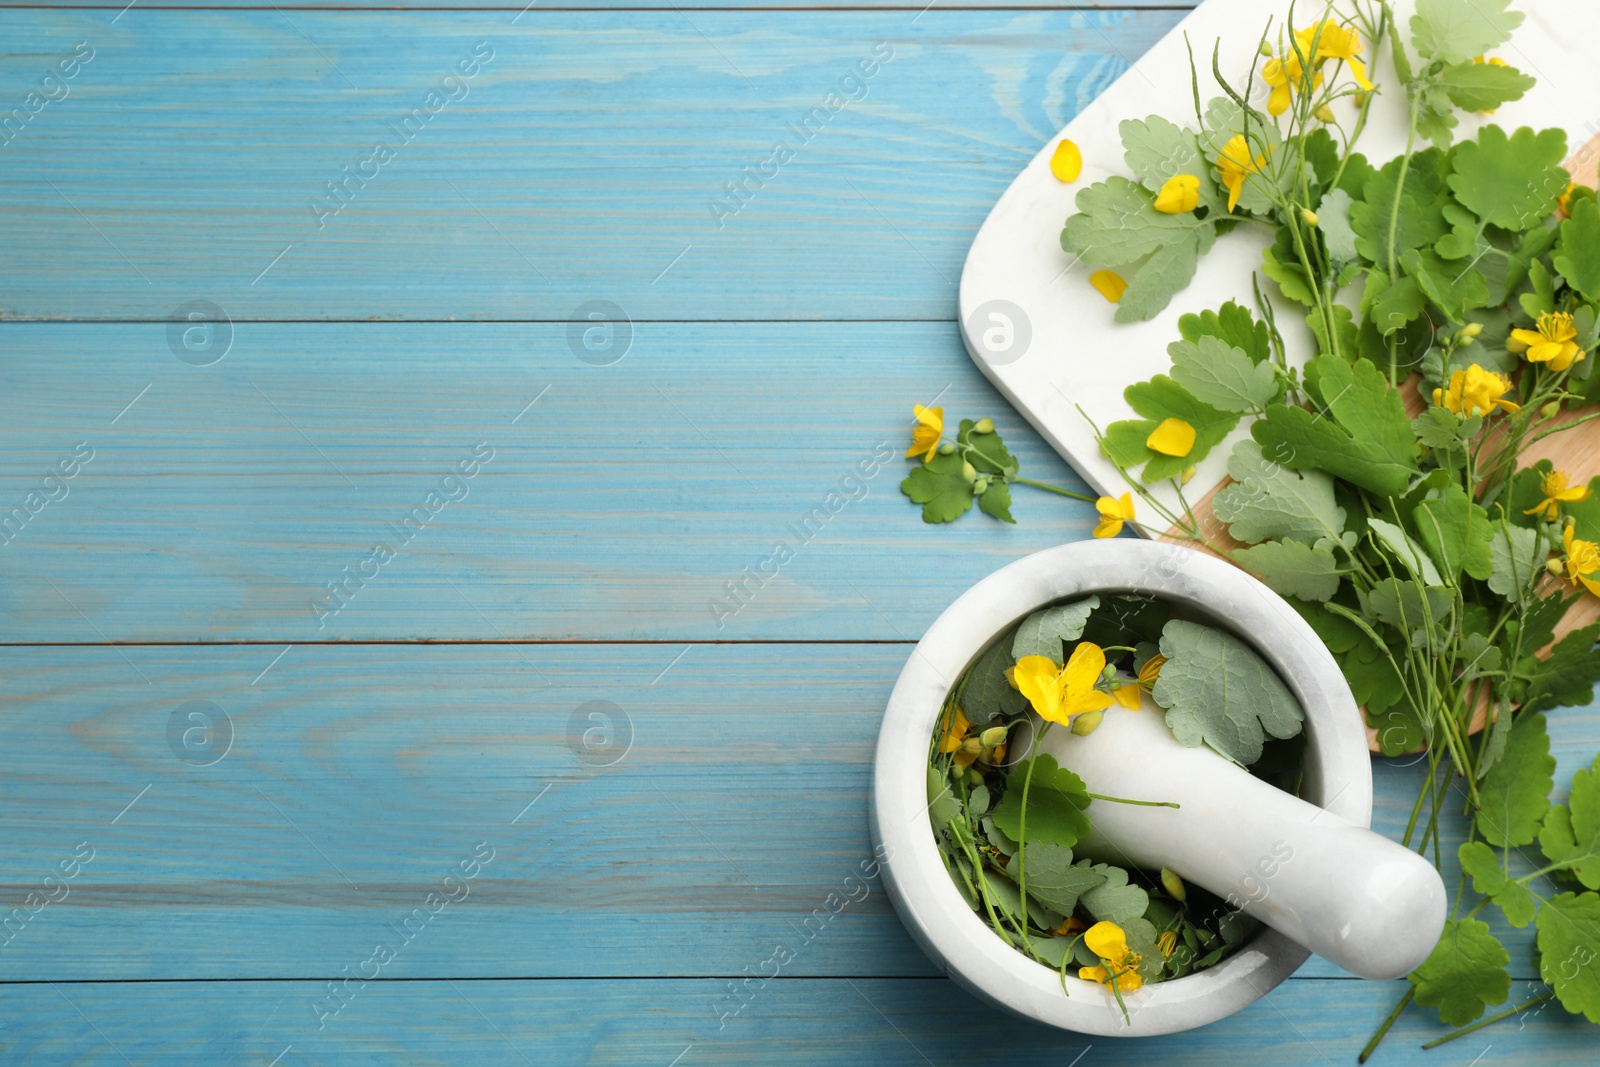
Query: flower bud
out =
(1553, 565)
(946, 449)
(1108, 672)
(1324, 114)
(1188, 472)
(983, 426)
(1265, 49)
(1470, 330)
(981, 486)
(1309, 217)
(1550, 410)
(1360, 99)
(1174, 885)
(1085, 723)
(969, 473)
(993, 737)
(974, 779)
(972, 745)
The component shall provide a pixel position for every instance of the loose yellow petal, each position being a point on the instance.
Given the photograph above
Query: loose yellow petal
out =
(1067, 161)
(1180, 194)
(1129, 696)
(1173, 437)
(1109, 284)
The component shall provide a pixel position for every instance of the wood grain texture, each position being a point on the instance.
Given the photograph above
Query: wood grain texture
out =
(620, 506)
(647, 1022)
(579, 165)
(358, 777)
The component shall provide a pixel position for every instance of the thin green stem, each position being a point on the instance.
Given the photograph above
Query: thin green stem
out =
(1139, 803)
(1384, 1029)
(1481, 1023)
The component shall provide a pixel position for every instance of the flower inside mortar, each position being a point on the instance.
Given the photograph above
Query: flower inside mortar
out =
(1059, 693)
(1118, 963)
(1131, 694)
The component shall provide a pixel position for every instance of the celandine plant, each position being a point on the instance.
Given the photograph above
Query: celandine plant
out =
(1451, 298)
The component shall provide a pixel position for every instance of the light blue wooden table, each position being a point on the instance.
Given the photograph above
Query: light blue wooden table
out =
(282, 749)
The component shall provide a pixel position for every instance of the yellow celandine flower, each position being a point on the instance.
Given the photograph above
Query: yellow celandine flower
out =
(1173, 437)
(1553, 342)
(926, 433)
(1583, 559)
(1114, 511)
(955, 732)
(1285, 76)
(1334, 41)
(1234, 165)
(1167, 942)
(1475, 391)
(1179, 195)
(1118, 963)
(1556, 492)
(1109, 284)
(1066, 163)
(1058, 693)
(1131, 696)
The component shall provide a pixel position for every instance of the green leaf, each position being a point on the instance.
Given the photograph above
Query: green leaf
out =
(1409, 607)
(1458, 30)
(985, 451)
(1543, 296)
(1224, 120)
(1512, 182)
(1157, 399)
(996, 501)
(1056, 802)
(1417, 223)
(1578, 257)
(1156, 279)
(1114, 900)
(1219, 692)
(1223, 376)
(1052, 879)
(1465, 972)
(1569, 933)
(1232, 324)
(1515, 562)
(1405, 549)
(940, 487)
(1566, 677)
(943, 806)
(988, 695)
(1268, 500)
(1292, 568)
(1441, 428)
(1456, 533)
(1344, 329)
(1515, 794)
(1399, 303)
(1483, 86)
(1292, 281)
(1455, 291)
(1366, 441)
(1571, 835)
(1046, 631)
(1157, 150)
(1491, 880)
(1333, 219)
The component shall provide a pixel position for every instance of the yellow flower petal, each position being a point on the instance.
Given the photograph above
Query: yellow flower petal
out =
(926, 432)
(1129, 696)
(1114, 512)
(955, 732)
(1150, 673)
(1038, 679)
(1067, 161)
(1180, 194)
(1106, 940)
(1173, 437)
(1094, 974)
(1107, 527)
(1109, 284)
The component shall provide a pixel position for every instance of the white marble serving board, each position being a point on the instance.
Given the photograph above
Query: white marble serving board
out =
(1065, 350)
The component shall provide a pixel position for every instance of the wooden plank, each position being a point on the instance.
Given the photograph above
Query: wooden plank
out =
(580, 164)
(358, 777)
(222, 502)
(642, 1021)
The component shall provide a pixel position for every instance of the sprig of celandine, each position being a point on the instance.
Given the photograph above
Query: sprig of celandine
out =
(1432, 566)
